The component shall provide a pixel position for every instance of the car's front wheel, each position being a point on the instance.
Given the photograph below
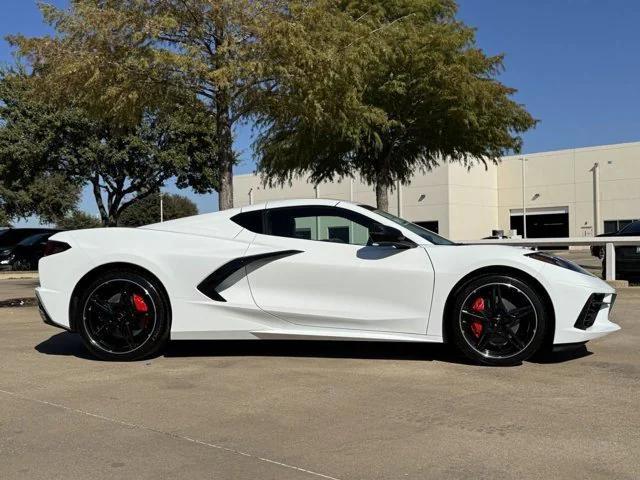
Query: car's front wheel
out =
(498, 320)
(123, 315)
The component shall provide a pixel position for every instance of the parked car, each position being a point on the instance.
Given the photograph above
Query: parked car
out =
(25, 255)
(494, 237)
(313, 269)
(11, 237)
(627, 257)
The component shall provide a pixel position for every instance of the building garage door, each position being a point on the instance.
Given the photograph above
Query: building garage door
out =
(542, 222)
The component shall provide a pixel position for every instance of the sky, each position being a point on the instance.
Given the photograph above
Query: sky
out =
(575, 64)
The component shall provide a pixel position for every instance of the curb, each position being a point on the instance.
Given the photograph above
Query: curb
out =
(618, 283)
(19, 302)
(11, 275)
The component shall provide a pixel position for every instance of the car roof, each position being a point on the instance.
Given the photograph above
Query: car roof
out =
(296, 202)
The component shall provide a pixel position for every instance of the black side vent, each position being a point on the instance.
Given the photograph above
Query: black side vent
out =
(590, 310)
(209, 285)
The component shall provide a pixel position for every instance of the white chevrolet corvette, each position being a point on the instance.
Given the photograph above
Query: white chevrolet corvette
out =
(313, 269)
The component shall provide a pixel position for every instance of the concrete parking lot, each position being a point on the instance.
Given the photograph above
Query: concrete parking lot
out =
(296, 410)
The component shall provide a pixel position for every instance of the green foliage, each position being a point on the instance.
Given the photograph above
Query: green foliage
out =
(376, 88)
(47, 195)
(44, 146)
(24, 189)
(120, 59)
(4, 219)
(147, 211)
(77, 220)
(424, 93)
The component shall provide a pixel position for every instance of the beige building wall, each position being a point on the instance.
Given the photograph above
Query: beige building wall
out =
(564, 179)
(469, 204)
(473, 201)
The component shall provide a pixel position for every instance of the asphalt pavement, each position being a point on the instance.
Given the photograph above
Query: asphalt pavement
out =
(323, 410)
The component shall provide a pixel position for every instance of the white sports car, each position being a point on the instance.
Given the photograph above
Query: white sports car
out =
(313, 269)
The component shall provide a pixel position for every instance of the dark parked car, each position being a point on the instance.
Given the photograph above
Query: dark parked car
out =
(627, 257)
(10, 238)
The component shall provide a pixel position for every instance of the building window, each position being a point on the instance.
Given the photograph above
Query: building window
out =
(429, 225)
(339, 233)
(304, 233)
(612, 226)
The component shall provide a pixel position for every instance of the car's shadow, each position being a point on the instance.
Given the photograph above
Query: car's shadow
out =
(314, 349)
(67, 343)
(560, 356)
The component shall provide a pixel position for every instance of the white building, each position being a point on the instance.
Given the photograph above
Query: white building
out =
(462, 204)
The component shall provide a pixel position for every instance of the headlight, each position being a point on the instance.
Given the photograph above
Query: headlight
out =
(558, 262)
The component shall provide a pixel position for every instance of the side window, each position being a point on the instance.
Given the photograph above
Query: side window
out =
(325, 224)
(252, 221)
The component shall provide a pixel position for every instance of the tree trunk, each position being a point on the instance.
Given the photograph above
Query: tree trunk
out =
(97, 194)
(225, 153)
(382, 196)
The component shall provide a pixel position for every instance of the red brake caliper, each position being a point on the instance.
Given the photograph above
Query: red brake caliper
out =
(139, 304)
(141, 307)
(476, 325)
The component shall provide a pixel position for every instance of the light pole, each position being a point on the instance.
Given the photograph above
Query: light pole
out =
(596, 198)
(161, 207)
(317, 190)
(399, 187)
(251, 196)
(524, 198)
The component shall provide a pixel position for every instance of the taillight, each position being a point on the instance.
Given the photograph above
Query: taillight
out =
(52, 247)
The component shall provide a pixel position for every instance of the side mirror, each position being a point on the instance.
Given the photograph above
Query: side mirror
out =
(386, 236)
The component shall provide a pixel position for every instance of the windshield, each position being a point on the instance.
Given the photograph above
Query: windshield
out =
(417, 229)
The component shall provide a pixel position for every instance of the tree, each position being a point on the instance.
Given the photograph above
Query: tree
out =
(47, 195)
(148, 210)
(77, 220)
(4, 219)
(23, 190)
(427, 94)
(122, 57)
(118, 58)
(122, 165)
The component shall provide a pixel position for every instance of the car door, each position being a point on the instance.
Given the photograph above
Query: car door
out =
(329, 275)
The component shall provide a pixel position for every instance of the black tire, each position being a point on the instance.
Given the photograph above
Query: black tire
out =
(114, 324)
(503, 334)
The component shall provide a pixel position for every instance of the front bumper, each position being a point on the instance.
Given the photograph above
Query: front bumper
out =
(588, 319)
(571, 294)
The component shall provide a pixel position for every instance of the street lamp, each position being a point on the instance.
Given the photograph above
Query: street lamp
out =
(161, 207)
(596, 198)
(524, 199)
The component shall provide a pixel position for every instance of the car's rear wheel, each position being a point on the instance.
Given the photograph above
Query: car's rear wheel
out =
(123, 315)
(498, 320)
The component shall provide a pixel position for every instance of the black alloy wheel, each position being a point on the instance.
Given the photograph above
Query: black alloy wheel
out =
(123, 315)
(498, 320)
